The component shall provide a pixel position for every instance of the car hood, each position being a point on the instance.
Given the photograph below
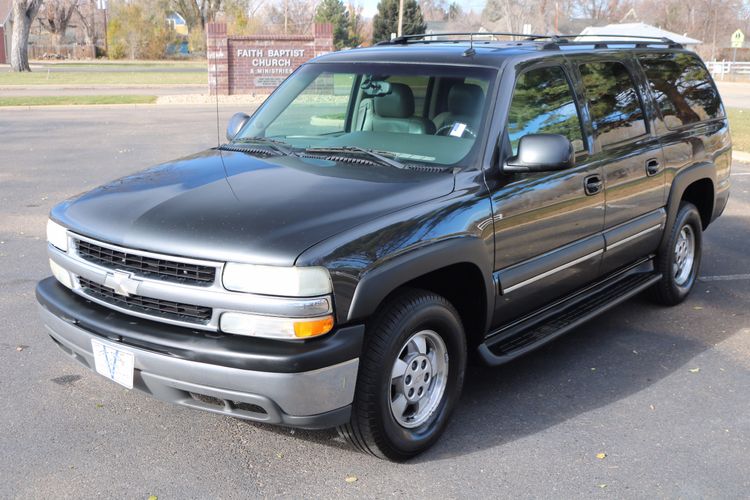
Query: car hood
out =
(232, 206)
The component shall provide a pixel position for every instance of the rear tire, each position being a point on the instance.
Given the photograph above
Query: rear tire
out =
(410, 376)
(679, 260)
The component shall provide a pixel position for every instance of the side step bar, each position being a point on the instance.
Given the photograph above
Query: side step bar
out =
(515, 340)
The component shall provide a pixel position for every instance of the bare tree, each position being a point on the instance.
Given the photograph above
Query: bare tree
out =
(196, 13)
(23, 13)
(55, 15)
(86, 13)
(291, 17)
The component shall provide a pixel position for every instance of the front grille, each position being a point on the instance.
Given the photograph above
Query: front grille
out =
(150, 267)
(155, 307)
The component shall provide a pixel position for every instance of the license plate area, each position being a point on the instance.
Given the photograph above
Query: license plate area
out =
(116, 364)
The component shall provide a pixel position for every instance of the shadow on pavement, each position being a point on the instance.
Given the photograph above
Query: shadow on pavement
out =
(608, 359)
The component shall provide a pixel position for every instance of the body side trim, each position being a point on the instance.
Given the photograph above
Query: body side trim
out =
(633, 236)
(634, 228)
(551, 272)
(539, 267)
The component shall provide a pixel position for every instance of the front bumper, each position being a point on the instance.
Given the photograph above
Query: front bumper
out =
(308, 385)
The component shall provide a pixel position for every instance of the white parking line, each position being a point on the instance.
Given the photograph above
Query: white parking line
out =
(740, 173)
(726, 277)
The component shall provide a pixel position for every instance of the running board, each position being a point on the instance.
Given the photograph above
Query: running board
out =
(515, 340)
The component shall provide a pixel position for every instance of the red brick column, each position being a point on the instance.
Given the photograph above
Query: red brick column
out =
(323, 38)
(217, 45)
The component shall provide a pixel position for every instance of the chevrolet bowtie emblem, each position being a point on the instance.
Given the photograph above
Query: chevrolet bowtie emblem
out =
(122, 283)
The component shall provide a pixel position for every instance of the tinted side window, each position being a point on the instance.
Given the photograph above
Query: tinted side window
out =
(682, 88)
(543, 104)
(615, 108)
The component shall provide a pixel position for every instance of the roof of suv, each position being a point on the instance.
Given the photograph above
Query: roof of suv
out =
(483, 52)
(443, 53)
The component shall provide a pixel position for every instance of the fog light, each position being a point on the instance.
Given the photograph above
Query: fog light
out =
(254, 325)
(61, 274)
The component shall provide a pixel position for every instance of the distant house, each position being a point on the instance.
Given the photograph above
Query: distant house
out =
(635, 30)
(5, 29)
(177, 23)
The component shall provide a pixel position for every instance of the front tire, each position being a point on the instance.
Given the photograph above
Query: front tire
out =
(410, 376)
(679, 260)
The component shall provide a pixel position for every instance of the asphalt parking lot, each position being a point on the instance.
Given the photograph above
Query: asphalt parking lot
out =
(661, 394)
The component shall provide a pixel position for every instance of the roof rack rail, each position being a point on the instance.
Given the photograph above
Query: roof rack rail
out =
(603, 40)
(404, 39)
(550, 41)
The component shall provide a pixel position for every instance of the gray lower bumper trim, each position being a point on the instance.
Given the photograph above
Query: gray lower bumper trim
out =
(313, 399)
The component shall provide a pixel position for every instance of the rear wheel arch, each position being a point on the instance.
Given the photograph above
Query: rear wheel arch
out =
(696, 185)
(701, 194)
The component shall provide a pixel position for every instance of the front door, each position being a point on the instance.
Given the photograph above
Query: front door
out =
(548, 239)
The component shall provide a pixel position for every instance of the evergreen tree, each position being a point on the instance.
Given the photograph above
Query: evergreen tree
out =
(385, 21)
(334, 12)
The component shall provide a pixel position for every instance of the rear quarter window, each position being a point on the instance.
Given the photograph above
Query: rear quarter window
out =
(682, 88)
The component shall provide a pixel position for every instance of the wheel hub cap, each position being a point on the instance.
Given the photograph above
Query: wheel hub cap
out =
(684, 255)
(418, 379)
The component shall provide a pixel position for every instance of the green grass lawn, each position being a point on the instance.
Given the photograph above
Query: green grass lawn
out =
(119, 63)
(739, 123)
(74, 100)
(41, 77)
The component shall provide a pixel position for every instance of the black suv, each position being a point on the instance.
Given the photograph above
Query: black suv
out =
(386, 214)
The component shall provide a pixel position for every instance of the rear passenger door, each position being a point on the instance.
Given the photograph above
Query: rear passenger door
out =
(631, 156)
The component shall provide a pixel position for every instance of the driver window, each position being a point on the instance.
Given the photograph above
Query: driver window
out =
(543, 103)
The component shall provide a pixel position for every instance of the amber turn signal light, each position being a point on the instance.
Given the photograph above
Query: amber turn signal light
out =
(313, 328)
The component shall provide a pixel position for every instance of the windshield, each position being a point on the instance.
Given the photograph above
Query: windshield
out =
(411, 113)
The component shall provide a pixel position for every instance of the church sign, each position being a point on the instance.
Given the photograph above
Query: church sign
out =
(256, 64)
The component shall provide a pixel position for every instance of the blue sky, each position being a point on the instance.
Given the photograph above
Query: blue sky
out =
(371, 6)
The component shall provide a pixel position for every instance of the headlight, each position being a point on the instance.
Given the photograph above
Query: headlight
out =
(254, 325)
(272, 280)
(57, 235)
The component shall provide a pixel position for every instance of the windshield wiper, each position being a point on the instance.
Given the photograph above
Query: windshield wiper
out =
(378, 155)
(280, 146)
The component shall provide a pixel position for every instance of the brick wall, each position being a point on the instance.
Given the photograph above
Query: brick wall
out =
(256, 64)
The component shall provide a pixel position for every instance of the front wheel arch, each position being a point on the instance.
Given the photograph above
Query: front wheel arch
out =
(422, 268)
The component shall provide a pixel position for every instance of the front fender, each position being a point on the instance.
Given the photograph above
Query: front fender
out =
(376, 284)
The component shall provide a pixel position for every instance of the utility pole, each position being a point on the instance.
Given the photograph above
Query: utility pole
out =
(557, 17)
(400, 17)
(286, 16)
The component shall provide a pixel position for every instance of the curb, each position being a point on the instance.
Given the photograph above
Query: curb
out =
(104, 86)
(69, 107)
(741, 156)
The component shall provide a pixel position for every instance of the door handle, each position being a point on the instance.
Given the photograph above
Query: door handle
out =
(652, 167)
(593, 184)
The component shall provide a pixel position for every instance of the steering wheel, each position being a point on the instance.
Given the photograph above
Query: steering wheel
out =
(467, 130)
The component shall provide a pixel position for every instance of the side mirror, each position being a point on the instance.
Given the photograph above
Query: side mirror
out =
(541, 153)
(236, 123)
